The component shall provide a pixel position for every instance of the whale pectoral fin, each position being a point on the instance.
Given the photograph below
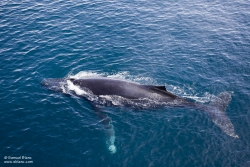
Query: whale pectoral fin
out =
(108, 127)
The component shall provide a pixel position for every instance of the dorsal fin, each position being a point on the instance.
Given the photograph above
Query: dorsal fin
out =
(161, 87)
(162, 90)
(156, 87)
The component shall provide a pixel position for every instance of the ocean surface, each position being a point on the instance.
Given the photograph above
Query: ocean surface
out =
(197, 49)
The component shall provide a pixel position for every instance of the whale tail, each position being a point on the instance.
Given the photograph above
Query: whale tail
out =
(217, 111)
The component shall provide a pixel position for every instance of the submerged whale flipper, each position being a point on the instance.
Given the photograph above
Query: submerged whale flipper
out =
(217, 111)
(108, 127)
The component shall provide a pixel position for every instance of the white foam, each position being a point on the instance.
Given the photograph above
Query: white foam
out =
(125, 75)
(203, 99)
(115, 100)
(190, 93)
(75, 88)
(86, 74)
(119, 75)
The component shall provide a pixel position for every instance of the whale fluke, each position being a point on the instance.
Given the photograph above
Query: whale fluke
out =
(217, 111)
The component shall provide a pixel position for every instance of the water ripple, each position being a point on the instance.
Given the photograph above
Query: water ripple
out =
(196, 49)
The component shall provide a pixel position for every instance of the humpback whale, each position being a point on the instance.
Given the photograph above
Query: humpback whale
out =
(101, 87)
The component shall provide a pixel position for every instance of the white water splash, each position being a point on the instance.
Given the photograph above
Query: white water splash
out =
(75, 88)
(86, 74)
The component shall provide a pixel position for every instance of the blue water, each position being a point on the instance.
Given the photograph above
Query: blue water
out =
(196, 49)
